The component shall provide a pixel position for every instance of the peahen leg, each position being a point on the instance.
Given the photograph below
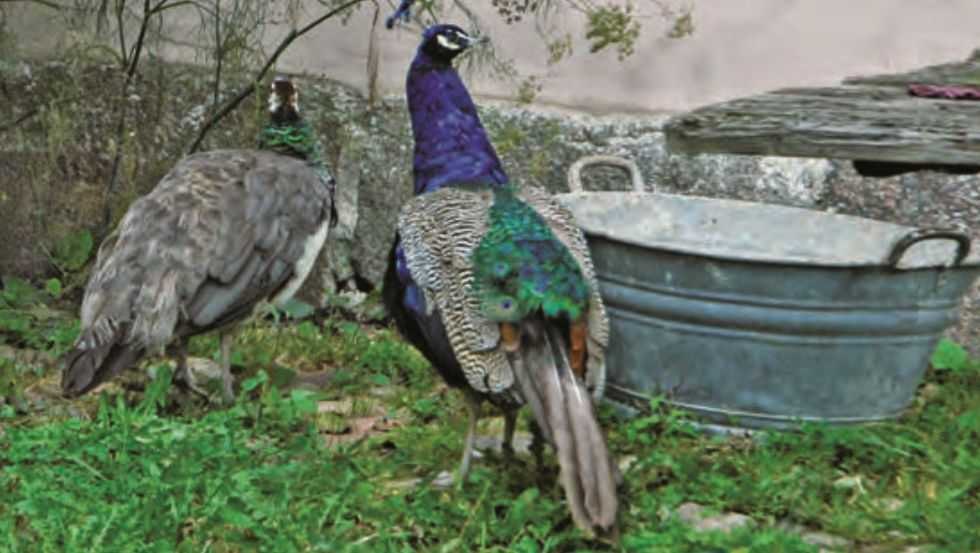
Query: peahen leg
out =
(227, 391)
(179, 351)
(510, 425)
(473, 406)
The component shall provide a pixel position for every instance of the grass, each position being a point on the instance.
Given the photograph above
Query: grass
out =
(140, 468)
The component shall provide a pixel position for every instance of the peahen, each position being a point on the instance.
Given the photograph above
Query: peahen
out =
(221, 232)
(494, 285)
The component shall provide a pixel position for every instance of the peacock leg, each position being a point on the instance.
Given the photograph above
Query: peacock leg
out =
(537, 445)
(510, 425)
(473, 406)
(227, 391)
(577, 333)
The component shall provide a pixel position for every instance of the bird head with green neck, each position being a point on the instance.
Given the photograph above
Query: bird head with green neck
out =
(286, 132)
(283, 102)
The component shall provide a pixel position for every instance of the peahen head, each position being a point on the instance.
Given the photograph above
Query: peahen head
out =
(286, 132)
(444, 41)
(283, 102)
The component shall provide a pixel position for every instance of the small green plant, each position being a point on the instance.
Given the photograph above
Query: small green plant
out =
(950, 356)
(73, 251)
(349, 466)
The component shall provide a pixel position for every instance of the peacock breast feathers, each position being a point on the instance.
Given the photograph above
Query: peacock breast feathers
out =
(484, 255)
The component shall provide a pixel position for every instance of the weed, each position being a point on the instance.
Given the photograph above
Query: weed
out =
(347, 467)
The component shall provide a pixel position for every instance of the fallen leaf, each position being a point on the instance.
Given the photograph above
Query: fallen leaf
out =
(361, 427)
(340, 407)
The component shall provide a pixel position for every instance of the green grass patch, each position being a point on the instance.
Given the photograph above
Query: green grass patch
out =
(345, 468)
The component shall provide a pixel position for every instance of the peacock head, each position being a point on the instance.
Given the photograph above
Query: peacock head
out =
(443, 42)
(283, 101)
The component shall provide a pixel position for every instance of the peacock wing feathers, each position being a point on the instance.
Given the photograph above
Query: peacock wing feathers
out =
(472, 250)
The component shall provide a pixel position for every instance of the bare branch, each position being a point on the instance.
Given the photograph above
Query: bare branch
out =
(250, 89)
(45, 3)
(24, 117)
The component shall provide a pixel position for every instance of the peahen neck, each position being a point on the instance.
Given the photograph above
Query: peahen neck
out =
(288, 134)
(451, 145)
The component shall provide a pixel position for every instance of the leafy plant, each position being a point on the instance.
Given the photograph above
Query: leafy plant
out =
(274, 472)
(949, 356)
(73, 251)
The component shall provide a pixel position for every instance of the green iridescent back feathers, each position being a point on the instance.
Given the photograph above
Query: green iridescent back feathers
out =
(520, 266)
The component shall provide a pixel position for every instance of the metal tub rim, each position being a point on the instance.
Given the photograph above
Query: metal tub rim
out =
(738, 230)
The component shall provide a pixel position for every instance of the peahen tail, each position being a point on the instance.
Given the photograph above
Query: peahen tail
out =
(93, 361)
(562, 407)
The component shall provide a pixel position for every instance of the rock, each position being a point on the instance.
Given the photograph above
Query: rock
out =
(370, 150)
(892, 548)
(827, 542)
(522, 443)
(693, 515)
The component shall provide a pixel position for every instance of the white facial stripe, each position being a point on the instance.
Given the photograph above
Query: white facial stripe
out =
(273, 101)
(446, 43)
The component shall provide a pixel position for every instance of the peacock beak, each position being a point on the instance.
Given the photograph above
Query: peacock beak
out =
(470, 40)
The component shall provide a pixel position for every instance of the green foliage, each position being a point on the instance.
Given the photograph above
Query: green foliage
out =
(145, 472)
(27, 319)
(613, 25)
(73, 251)
(950, 356)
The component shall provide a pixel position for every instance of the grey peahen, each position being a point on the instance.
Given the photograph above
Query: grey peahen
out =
(221, 232)
(494, 285)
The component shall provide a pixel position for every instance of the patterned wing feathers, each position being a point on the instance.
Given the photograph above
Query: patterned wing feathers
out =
(440, 232)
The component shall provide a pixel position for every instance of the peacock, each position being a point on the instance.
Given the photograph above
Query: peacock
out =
(494, 284)
(222, 231)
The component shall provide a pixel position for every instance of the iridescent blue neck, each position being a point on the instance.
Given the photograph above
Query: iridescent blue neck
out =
(451, 145)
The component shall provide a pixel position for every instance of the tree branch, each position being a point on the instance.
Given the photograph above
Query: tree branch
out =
(250, 89)
(7, 126)
(45, 3)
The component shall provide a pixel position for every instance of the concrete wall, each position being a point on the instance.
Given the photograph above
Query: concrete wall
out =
(739, 47)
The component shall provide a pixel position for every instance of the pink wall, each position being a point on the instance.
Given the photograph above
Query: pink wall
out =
(739, 47)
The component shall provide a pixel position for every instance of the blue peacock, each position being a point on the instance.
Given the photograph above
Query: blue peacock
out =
(493, 283)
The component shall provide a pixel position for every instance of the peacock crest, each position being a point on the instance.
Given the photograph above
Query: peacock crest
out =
(520, 266)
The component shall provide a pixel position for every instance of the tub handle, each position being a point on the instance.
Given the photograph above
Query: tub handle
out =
(904, 243)
(575, 171)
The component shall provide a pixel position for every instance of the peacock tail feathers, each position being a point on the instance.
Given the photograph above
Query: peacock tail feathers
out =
(521, 267)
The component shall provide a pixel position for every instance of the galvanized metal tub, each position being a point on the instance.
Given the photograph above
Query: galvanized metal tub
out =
(764, 316)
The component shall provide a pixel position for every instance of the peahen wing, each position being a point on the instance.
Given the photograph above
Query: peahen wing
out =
(221, 231)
